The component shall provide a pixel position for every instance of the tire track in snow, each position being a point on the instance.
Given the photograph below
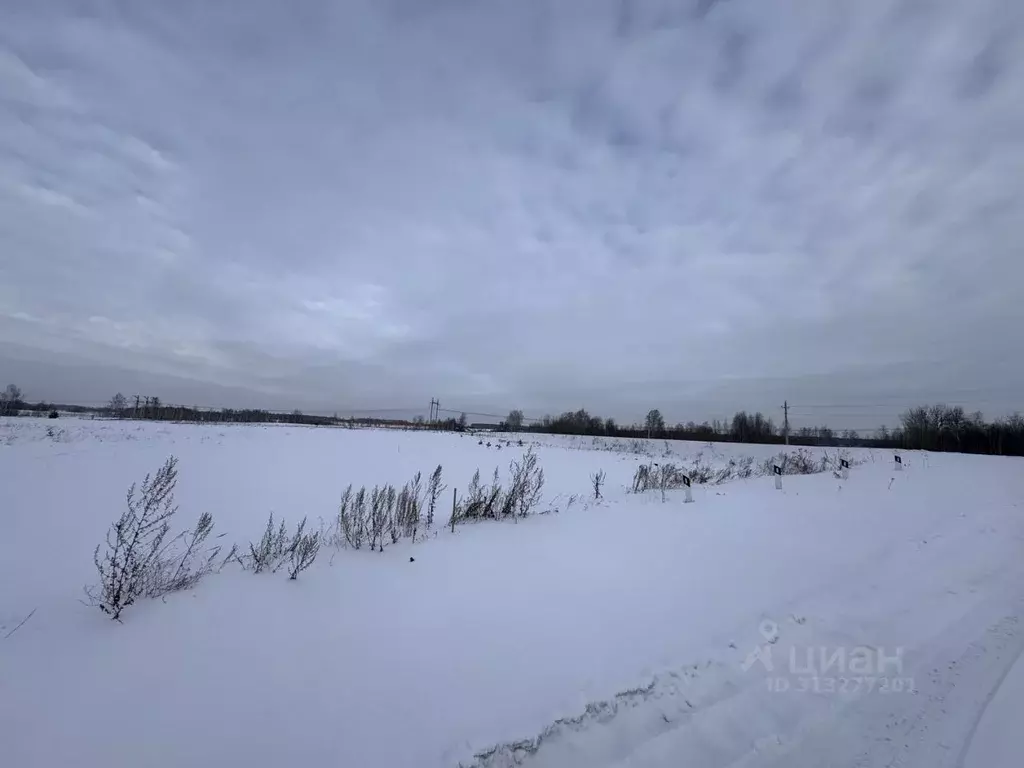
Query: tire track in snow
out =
(964, 613)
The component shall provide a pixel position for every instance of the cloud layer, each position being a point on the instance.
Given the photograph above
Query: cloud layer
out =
(541, 204)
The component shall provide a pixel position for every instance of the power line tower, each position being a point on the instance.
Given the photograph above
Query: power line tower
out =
(785, 420)
(435, 408)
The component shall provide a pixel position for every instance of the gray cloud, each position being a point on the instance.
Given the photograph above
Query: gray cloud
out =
(615, 204)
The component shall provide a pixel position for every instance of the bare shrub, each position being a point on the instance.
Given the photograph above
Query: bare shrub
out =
(270, 552)
(597, 480)
(408, 506)
(135, 541)
(726, 473)
(493, 502)
(733, 470)
(803, 463)
(834, 462)
(699, 471)
(479, 501)
(527, 484)
(642, 478)
(662, 477)
(382, 511)
(669, 478)
(434, 491)
(276, 549)
(493, 498)
(745, 467)
(352, 519)
(341, 530)
(174, 571)
(302, 550)
(799, 462)
(141, 561)
(665, 476)
(473, 502)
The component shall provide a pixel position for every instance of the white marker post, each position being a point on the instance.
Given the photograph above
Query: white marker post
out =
(778, 477)
(844, 465)
(689, 491)
(899, 463)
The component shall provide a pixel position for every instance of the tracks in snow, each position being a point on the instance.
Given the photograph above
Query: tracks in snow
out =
(952, 600)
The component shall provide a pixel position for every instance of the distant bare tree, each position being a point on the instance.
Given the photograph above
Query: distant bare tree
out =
(118, 405)
(515, 420)
(655, 422)
(10, 400)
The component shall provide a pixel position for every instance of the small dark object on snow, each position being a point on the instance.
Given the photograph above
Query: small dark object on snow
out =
(412, 559)
(53, 415)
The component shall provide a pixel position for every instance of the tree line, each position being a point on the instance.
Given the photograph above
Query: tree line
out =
(935, 427)
(152, 408)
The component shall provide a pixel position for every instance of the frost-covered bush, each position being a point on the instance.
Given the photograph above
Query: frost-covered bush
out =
(140, 560)
(434, 490)
(745, 467)
(494, 501)
(662, 477)
(374, 516)
(699, 471)
(271, 550)
(302, 551)
(276, 549)
(666, 477)
(408, 507)
(799, 462)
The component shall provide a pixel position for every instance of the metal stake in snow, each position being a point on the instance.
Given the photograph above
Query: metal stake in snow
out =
(689, 491)
(899, 463)
(778, 477)
(844, 466)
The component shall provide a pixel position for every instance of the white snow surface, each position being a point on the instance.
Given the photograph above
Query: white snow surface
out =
(999, 741)
(615, 633)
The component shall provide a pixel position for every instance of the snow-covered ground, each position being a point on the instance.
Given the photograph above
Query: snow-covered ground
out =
(865, 622)
(998, 741)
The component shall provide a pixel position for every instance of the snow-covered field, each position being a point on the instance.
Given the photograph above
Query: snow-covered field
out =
(866, 622)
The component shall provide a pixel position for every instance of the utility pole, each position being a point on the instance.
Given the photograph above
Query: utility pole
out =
(785, 421)
(135, 413)
(435, 406)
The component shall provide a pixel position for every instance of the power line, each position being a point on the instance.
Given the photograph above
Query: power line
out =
(487, 415)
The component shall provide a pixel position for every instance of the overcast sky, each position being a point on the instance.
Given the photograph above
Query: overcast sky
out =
(546, 204)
